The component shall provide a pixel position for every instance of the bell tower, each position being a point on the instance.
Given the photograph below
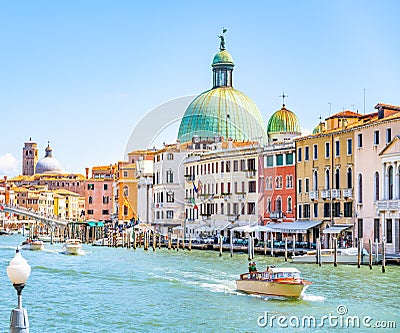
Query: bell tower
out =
(29, 158)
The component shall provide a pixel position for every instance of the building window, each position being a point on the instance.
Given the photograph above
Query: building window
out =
(327, 179)
(90, 187)
(306, 210)
(349, 178)
(252, 186)
(349, 147)
(170, 196)
(315, 180)
(125, 174)
(336, 209)
(251, 164)
(251, 208)
(337, 148)
(104, 212)
(126, 191)
(359, 141)
(228, 166)
(170, 214)
(289, 159)
(105, 187)
(327, 150)
(300, 211)
(376, 230)
(90, 200)
(235, 165)
(389, 232)
(360, 228)
(278, 182)
(315, 152)
(315, 209)
(299, 185)
(270, 161)
(390, 182)
(327, 209)
(388, 135)
(269, 205)
(376, 181)
(306, 153)
(170, 156)
(348, 209)
(170, 176)
(106, 199)
(289, 204)
(125, 210)
(360, 188)
(279, 159)
(243, 164)
(307, 185)
(337, 179)
(376, 138)
(299, 154)
(90, 211)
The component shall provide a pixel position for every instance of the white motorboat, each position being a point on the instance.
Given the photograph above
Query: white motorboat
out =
(72, 246)
(32, 244)
(343, 256)
(285, 282)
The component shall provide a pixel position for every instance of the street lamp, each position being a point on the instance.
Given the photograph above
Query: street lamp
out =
(18, 272)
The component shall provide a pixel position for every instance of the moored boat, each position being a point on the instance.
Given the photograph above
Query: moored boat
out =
(284, 281)
(72, 246)
(32, 244)
(343, 256)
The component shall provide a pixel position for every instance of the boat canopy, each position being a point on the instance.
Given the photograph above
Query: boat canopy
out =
(298, 227)
(283, 270)
(336, 229)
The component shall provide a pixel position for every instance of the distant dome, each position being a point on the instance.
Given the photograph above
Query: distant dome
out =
(48, 164)
(283, 124)
(224, 112)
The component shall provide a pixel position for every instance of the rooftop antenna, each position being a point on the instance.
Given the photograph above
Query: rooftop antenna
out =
(283, 96)
(364, 100)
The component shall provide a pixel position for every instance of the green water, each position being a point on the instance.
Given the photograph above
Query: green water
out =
(126, 290)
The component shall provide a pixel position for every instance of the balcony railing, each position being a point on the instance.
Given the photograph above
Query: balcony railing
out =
(388, 205)
(348, 193)
(325, 194)
(276, 215)
(335, 193)
(251, 173)
(313, 195)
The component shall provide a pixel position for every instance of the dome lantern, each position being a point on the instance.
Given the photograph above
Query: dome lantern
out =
(222, 65)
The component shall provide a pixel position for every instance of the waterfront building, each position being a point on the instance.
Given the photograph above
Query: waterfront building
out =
(221, 187)
(99, 192)
(29, 158)
(7, 195)
(324, 176)
(168, 187)
(377, 180)
(277, 195)
(73, 209)
(125, 191)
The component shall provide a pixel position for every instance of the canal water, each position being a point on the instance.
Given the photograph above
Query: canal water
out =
(126, 290)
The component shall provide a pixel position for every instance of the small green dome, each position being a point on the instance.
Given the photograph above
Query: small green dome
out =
(284, 121)
(222, 57)
(224, 112)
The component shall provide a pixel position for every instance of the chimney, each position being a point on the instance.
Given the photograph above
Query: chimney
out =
(87, 173)
(230, 143)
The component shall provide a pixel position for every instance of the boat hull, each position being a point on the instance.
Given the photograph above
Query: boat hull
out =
(71, 249)
(271, 288)
(34, 246)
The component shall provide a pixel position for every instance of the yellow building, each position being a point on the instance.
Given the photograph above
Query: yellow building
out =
(72, 209)
(324, 172)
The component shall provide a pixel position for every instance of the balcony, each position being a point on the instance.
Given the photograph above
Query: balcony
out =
(335, 193)
(325, 194)
(276, 215)
(313, 195)
(348, 193)
(251, 173)
(388, 205)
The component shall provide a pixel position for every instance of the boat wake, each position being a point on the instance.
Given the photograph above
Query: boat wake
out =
(312, 298)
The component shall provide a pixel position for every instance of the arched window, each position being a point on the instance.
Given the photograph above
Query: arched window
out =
(390, 182)
(376, 182)
(349, 178)
(327, 179)
(126, 191)
(315, 180)
(278, 204)
(360, 189)
(90, 200)
(337, 179)
(289, 204)
(269, 205)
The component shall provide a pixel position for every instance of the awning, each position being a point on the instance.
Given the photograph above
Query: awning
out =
(95, 224)
(298, 227)
(336, 229)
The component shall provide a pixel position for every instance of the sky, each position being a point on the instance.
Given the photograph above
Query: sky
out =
(82, 74)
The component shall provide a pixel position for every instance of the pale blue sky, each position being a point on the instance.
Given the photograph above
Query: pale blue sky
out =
(82, 73)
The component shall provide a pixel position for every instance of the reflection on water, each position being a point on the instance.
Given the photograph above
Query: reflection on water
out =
(126, 290)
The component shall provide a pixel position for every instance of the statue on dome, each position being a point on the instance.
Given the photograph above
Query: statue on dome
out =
(222, 42)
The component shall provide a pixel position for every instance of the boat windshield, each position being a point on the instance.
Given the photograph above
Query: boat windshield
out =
(285, 275)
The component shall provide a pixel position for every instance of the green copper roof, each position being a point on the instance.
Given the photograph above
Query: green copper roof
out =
(284, 121)
(222, 111)
(222, 57)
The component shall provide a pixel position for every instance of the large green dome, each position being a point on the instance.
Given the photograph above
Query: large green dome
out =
(283, 123)
(222, 111)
